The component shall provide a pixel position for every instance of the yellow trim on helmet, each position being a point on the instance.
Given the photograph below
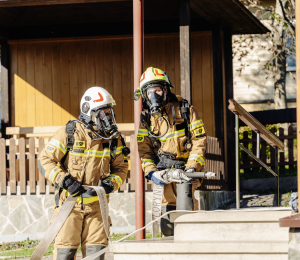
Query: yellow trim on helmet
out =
(152, 75)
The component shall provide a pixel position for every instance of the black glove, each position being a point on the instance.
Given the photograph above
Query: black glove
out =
(106, 184)
(73, 187)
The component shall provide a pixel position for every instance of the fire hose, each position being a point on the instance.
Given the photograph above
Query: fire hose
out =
(68, 205)
(70, 202)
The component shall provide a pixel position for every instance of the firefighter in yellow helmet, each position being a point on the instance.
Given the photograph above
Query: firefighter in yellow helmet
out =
(171, 135)
(85, 152)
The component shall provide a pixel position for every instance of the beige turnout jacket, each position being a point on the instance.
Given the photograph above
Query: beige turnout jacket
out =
(173, 142)
(88, 162)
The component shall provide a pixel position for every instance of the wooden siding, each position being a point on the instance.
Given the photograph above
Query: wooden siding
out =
(48, 78)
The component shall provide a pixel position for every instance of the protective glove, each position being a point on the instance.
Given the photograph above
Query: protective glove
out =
(178, 175)
(106, 184)
(294, 202)
(73, 187)
(192, 169)
(159, 177)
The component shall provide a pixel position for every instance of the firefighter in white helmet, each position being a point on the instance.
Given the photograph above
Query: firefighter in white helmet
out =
(84, 152)
(171, 135)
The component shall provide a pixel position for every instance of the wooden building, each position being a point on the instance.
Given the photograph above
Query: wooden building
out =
(52, 51)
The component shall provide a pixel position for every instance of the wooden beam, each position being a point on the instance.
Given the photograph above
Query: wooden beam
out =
(185, 50)
(4, 31)
(218, 81)
(230, 125)
(198, 7)
(5, 116)
(12, 3)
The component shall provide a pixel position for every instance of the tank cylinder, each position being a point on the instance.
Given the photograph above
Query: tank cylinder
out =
(184, 199)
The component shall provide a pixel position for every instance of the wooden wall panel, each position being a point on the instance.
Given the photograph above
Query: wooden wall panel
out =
(21, 86)
(73, 67)
(117, 79)
(82, 71)
(65, 84)
(56, 83)
(39, 85)
(127, 89)
(207, 83)
(47, 82)
(13, 49)
(49, 78)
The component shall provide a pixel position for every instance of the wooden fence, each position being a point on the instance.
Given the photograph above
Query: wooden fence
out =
(267, 154)
(19, 173)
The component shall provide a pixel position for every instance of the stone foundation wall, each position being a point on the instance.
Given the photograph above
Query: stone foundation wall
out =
(28, 216)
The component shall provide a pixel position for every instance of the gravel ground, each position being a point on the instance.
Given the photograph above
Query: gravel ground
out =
(261, 200)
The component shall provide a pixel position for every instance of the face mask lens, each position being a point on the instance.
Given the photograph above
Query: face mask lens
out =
(155, 96)
(105, 122)
(156, 89)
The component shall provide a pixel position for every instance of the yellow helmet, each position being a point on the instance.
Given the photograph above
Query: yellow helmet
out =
(154, 75)
(150, 76)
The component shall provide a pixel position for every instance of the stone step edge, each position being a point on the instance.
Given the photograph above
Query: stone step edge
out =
(170, 247)
(234, 216)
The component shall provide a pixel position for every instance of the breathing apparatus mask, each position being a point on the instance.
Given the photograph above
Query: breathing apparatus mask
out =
(155, 88)
(105, 122)
(156, 98)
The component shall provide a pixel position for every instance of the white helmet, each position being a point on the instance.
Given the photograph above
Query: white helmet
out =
(95, 98)
(96, 106)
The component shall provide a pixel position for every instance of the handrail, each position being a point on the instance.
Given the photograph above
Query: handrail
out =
(255, 125)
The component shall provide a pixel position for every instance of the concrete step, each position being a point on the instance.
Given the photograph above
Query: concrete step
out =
(215, 235)
(231, 225)
(168, 249)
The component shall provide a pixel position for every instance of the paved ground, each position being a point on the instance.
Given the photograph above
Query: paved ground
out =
(261, 200)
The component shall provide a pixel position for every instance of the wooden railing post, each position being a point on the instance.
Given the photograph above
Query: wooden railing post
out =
(22, 163)
(32, 181)
(255, 166)
(12, 165)
(237, 161)
(41, 177)
(2, 166)
(291, 150)
(263, 157)
(277, 191)
(281, 156)
(246, 160)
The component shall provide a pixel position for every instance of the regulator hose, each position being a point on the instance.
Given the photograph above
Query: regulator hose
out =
(97, 134)
(155, 136)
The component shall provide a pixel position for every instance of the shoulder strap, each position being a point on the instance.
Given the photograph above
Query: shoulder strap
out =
(70, 130)
(113, 147)
(185, 114)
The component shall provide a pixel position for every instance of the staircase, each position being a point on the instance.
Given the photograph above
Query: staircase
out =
(215, 235)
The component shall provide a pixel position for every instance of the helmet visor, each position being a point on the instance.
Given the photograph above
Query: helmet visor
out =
(158, 90)
(105, 121)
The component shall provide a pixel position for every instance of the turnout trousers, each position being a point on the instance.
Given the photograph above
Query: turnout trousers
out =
(83, 227)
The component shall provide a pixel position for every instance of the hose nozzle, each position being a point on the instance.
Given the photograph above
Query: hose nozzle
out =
(209, 175)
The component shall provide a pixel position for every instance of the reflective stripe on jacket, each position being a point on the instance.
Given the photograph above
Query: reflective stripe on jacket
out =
(88, 161)
(173, 142)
